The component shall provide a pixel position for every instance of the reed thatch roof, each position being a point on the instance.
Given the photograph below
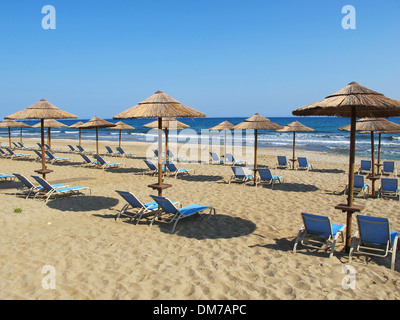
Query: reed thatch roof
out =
(96, 122)
(225, 125)
(159, 105)
(8, 123)
(368, 104)
(50, 123)
(295, 126)
(168, 123)
(122, 126)
(378, 125)
(41, 110)
(76, 125)
(258, 122)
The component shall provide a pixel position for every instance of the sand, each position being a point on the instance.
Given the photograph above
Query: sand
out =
(244, 252)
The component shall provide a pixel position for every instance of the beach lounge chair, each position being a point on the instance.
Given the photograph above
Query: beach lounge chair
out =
(49, 190)
(282, 163)
(7, 177)
(318, 231)
(267, 177)
(215, 159)
(105, 164)
(166, 206)
(81, 149)
(18, 155)
(16, 146)
(88, 162)
(359, 186)
(389, 168)
(230, 158)
(239, 175)
(51, 149)
(111, 153)
(374, 238)
(364, 166)
(123, 153)
(22, 146)
(151, 166)
(174, 170)
(389, 188)
(134, 203)
(4, 155)
(28, 187)
(171, 156)
(39, 155)
(54, 158)
(46, 146)
(303, 164)
(72, 149)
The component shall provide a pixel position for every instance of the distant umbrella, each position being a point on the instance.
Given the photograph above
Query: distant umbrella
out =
(352, 101)
(295, 127)
(77, 125)
(257, 122)
(50, 124)
(96, 123)
(121, 126)
(225, 125)
(159, 105)
(42, 110)
(8, 123)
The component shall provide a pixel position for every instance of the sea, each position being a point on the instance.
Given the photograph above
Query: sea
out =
(326, 136)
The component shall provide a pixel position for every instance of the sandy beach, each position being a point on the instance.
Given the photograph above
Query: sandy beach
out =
(243, 252)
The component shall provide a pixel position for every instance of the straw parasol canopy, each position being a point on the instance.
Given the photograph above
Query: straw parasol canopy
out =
(372, 125)
(8, 123)
(294, 127)
(77, 125)
(159, 105)
(352, 101)
(121, 126)
(97, 123)
(42, 110)
(225, 125)
(257, 122)
(50, 124)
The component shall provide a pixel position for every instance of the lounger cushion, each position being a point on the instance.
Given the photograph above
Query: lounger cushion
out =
(193, 208)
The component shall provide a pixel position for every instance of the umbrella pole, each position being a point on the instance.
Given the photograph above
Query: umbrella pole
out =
(97, 140)
(379, 153)
(49, 138)
(80, 136)
(160, 170)
(225, 145)
(9, 136)
(255, 156)
(43, 152)
(372, 162)
(166, 144)
(21, 135)
(120, 133)
(294, 149)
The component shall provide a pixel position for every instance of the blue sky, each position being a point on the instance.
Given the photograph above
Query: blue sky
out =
(224, 58)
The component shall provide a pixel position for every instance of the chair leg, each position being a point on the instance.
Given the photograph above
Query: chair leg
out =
(299, 235)
(394, 249)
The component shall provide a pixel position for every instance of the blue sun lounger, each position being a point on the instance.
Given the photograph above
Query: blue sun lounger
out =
(39, 156)
(54, 158)
(239, 175)
(215, 159)
(151, 166)
(266, 176)
(174, 170)
(364, 166)
(123, 153)
(88, 162)
(105, 164)
(168, 207)
(81, 149)
(7, 177)
(389, 168)
(134, 203)
(49, 190)
(111, 153)
(230, 158)
(374, 238)
(318, 230)
(303, 164)
(17, 155)
(282, 162)
(389, 188)
(359, 186)
(28, 187)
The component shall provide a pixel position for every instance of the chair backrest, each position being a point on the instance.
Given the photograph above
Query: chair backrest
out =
(71, 147)
(120, 150)
(85, 157)
(80, 148)
(10, 151)
(165, 204)
(155, 152)
(171, 166)
(388, 166)
(38, 153)
(39, 144)
(130, 198)
(109, 149)
(230, 157)
(47, 146)
(170, 154)
(389, 184)
(50, 155)
(21, 145)
(150, 164)
(238, 172)
(99, 159)
(374, 229)
(282, 160)
(317, 225)
(265, 174)
(2, 151)
(43, 183)
(302, 161)
(15, 145)
(358, 181)
(24, 180)
(214, 156)
(366, 165)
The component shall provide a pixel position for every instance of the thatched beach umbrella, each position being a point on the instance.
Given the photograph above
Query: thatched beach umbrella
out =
(225, 125)
(352, 101)
(168, 123)
(121, 126)
(8, 123)
(77, 125)
(42, 110)
(97, 123)
(50, 124)
(372, 125)
(294, 127)
(257, 122)
(159, 105)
